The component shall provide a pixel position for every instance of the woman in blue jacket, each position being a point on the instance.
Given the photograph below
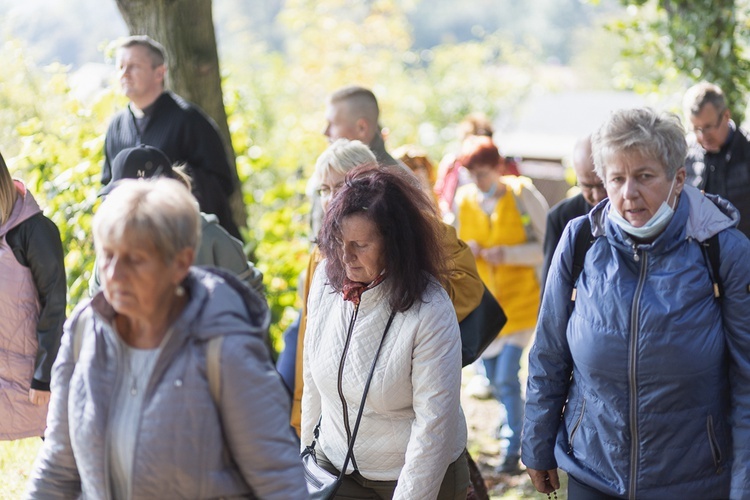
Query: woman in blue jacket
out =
(640, 387)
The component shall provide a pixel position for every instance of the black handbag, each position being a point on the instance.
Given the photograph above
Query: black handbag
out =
(321, 484)
(480, 328)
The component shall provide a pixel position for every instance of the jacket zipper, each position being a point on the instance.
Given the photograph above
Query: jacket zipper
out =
(632, 369)
(108, 439)
(575, 428)
(341, 379)
(714, 444)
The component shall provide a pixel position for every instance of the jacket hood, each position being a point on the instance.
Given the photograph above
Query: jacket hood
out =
(222, 305)
(23, 209)
(707, 214)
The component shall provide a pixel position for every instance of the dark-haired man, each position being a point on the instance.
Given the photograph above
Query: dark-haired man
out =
(164, 120)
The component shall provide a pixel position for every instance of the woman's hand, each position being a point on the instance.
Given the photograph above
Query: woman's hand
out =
(475, 248)
(545, 481)
(39, 398)
(494, 255)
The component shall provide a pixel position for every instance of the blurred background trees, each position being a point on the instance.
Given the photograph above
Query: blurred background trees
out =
(430, 62)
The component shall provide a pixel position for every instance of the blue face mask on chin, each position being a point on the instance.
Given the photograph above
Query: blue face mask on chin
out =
(655, 225)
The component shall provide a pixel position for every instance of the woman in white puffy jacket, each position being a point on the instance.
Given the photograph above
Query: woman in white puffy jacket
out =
(383, 262)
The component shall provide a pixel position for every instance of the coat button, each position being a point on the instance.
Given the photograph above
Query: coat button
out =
(178, 383)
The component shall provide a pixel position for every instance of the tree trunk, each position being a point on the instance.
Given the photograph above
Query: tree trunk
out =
(186, 29)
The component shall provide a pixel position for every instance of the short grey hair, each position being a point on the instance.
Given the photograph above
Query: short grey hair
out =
(643, 131)
(340, 157)
(160, 211)
(701, 94)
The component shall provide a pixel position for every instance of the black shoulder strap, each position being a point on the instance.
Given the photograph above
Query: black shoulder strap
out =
(712, 252)
(582, 244)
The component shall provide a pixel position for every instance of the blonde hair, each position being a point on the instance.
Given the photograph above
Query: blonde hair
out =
(340, 157)
(160, 211)
(8, 192)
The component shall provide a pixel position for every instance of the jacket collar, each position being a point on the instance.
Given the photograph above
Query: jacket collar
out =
(697, 216)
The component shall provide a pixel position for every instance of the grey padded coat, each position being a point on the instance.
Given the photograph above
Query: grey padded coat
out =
(186, 446)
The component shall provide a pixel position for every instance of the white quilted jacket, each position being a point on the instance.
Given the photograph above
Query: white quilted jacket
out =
(412, 426)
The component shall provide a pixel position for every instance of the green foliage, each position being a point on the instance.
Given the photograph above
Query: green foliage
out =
(53, 143)
(16, 460)
(671, 44)
(275, 105)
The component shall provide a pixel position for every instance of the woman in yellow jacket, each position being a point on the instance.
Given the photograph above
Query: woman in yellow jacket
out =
(502, 219)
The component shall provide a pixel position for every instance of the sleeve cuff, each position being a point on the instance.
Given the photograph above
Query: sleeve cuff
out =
(39, 385)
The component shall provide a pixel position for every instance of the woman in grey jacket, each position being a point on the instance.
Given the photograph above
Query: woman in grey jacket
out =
(137, 409)
(641, 387)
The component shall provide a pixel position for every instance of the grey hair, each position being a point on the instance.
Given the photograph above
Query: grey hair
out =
(701, 94)
(643, 131)
(340, 157)
(160, 211)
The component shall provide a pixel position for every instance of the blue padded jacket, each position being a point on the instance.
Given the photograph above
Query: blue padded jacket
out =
(642, 390)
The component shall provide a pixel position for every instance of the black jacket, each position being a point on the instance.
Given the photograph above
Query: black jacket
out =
(726, 173)
(186, 135)
(36, 244)
(557, 219)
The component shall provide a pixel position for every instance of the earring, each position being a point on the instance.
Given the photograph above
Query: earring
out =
(179, 291)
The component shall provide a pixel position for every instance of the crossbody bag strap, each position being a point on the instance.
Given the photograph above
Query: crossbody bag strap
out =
(364, 397)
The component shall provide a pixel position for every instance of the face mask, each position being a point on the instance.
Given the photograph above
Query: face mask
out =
(655, 224)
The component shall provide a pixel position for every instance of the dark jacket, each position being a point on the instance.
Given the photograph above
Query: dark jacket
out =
(36, 244)
(186, 135)
(726, 173)
(557, 218)
(643, 389)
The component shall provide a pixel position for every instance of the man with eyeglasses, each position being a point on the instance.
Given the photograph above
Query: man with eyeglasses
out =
(718, 158)
(591, 192)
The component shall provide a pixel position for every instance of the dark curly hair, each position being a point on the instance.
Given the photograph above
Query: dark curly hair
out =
(412, 234)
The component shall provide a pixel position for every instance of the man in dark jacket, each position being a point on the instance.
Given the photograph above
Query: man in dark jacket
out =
(592, 192)
(159, 118)
(718, 159)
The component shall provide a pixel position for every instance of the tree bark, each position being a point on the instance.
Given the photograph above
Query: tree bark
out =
(186, 29)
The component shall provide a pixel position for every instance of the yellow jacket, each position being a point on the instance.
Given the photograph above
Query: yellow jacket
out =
(513, 283)
(464, 288)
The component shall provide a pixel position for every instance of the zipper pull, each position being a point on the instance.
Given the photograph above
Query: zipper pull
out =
(636, 257)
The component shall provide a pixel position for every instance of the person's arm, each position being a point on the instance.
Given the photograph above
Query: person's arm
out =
(550, 362)
(310, 405)
(464, 285)
(299, 383)
(436, 387)
(552, 236)
(205, 151)
(253, 405)
(529, 253)
(55, 474)
(735, 306)
(44, 256)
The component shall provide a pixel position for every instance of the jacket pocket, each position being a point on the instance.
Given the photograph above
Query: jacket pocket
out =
(576, 426)
(714, 444)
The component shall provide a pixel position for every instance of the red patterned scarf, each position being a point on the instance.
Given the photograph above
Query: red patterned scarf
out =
(353, 289)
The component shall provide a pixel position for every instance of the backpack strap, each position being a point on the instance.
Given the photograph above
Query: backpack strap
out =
(583, 242)
(77, 331)
(712, 254)
(213, 367)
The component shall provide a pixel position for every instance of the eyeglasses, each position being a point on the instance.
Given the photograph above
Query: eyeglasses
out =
(591, 187)
(328, 191)
(710, 128)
